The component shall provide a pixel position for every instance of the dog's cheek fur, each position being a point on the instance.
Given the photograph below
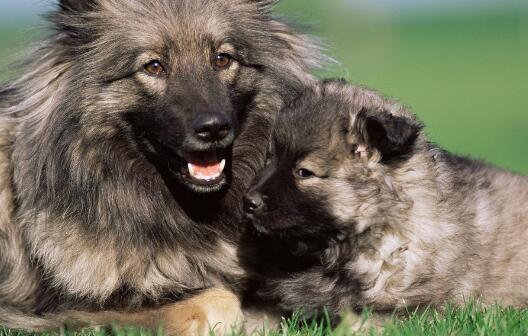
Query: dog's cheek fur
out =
(352, 193)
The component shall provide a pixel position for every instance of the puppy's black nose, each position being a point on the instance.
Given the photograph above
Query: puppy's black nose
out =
(253, 203)
(212, 126)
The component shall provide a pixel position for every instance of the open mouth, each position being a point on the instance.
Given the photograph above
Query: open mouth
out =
(204, 171)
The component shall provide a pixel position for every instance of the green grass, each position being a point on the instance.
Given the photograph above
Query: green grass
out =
(469, 320)
(472, 319)
(465, 75)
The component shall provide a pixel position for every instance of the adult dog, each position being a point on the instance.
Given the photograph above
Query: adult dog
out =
(125, 148)
(358, 208)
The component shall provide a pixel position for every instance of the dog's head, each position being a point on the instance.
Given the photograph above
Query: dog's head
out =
(329, 169)
(177, 77)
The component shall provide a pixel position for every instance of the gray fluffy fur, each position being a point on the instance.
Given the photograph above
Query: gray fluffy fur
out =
(89, 219)
(388, 220)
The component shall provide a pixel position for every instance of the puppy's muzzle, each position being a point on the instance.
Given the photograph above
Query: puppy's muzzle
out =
(254, 204)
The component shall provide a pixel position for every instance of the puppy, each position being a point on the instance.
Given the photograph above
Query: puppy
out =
(357, 207)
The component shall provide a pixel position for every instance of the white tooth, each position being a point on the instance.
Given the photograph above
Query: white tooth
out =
(222, 165)
(191, 169)
(200, 176)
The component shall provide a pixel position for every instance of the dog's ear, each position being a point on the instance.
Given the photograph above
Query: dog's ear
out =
(392, 136)
(76, 5)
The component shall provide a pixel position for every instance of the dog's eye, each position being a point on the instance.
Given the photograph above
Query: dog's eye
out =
(154, 68)
(304, 173)
(222, 60)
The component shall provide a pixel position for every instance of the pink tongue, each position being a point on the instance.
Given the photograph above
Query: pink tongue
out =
(207, 169)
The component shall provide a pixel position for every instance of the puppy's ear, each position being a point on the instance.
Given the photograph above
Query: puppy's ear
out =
(76, 5)
(392, 136)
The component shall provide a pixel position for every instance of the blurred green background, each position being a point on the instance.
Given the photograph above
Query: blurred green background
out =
(462, 66)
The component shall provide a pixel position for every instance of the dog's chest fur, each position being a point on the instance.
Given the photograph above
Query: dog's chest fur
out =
(97, 269)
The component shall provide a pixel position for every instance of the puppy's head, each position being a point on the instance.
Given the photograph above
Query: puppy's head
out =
(331, 162)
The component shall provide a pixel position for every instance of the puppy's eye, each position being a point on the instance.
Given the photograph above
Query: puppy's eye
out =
(304, 173)
(154, 68)
(222, 60)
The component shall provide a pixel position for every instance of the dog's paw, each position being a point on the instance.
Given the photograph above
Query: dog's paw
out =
(222, 310)
(213, 311)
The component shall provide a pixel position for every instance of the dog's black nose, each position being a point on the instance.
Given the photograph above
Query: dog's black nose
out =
(212, 126)
(253, 203)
